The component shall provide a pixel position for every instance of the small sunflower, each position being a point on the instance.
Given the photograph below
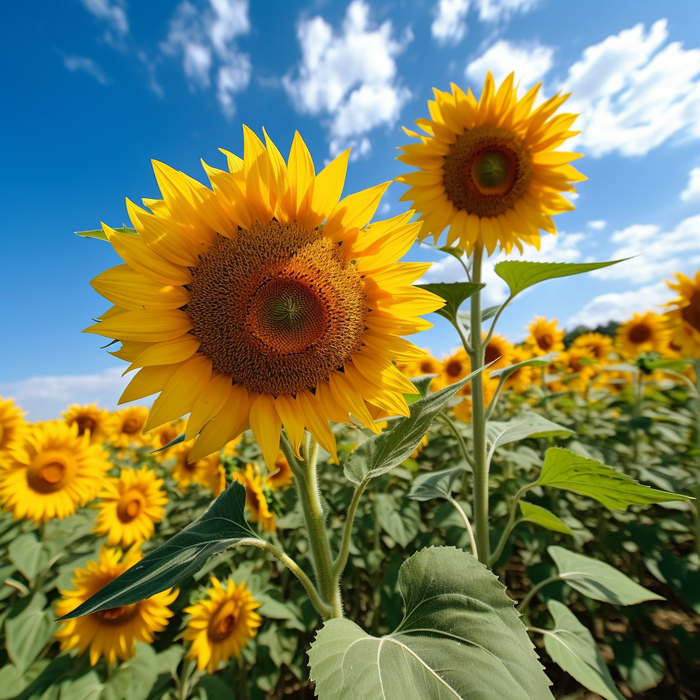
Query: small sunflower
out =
(56, 471)
(128, 427)
(255, 497)
(684, 315)
(206, 471)
(282, 478)
(600, 346)
(129, 507)
(163, 435)
(110, 633)
(266, 301)
(454, 367)
(578, 367)
(499, 351)
(13, 428)
(96, 421)
(642, 333)
(221, 624)
(521, 379)
(463, 410)
(489, 169)
(544, 336)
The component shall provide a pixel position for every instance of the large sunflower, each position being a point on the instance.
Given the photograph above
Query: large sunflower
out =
(544, 336)
(206, 471)
(499, 350)
(96, 421)
(128, 427)
(130, 506)
(265, 302)
(489, 169)
(684, 315)
(255, 497)
(642, 333)
(110, 633)
(221, 624)
(13, 427)
(56, 471)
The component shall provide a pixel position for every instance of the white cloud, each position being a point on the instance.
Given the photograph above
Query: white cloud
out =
(692, 192)
(449, 26)
(86, 65)
(597, 225)
(111, 12)
(618, 306)
(634, 92)
(531, 61)
(349, 75)
(659, 252)
(206, 39)
(45, 397)
(501, 10)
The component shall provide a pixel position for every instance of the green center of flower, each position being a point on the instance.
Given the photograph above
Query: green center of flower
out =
(493, 172)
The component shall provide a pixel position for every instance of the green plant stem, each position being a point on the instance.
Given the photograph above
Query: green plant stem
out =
(481, 467)
(342, 559)
(463, 449)
(512, 522)
(522, 605)
(467, 524)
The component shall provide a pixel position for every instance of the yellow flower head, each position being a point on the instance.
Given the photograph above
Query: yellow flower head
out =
(265, 301)
(56, 471)
(499, 351)
(521, 379)
(578, 366)
(129, 507)
(163, 435)
(642, 333)
(454, 367)
(596, 344)
(463, 410)
(110, 633)
(282, 478)
(684, 315)
(489, 169)
(221, 624)
(206, 471)
(128, 427)
(544, 336)
(255, 498)
(96, 421)
(13, 428)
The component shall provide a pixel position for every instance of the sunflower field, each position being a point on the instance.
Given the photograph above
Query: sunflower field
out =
(342, 515)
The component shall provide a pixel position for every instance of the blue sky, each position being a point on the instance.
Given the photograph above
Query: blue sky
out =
(94, 89)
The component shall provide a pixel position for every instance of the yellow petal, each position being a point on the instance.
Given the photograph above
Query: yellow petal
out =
(352, 402)
(317, 424)
(392, 402)
(147, 381)
(144, 326)
(256, 169)
(168, 352)
(301, 175)
(210, 401)
(353, 212)
(329, 186)
(292, 420)
(266, 426)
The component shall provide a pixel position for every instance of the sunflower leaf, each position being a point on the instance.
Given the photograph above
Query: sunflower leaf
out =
(528, 425)
(541, 361)
(454, 294)
(175, 441)
(438, 484)
(521, 274)
(421, 383)
(100, 235)
(541, 516)
(456, 641)
(222, 526)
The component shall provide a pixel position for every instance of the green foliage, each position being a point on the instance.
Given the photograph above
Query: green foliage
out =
(541, 516)
(454, 294)
(100, 235)
(28, 629)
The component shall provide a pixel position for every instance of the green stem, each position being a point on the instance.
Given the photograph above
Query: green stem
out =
(510, 525)
(342, 558)
(463, 449)
(467, 524)
(481, 468)
(522, 605)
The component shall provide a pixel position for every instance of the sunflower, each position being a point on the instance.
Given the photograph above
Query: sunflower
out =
(499, 351)
(282, 478)
(129, 507)
(521, 378)
(13, 427)
(463, 410)
(128, 427)
(578, 367)
(56, 471)
(642, 333)
(163, 435)
(454, 367)
(255, 497)
(110, 633)
(488, 169)
(684, 315)
(221, 624)
(544, 336)
(598, 345)
(96, 421)
(265, 301)
(206, 471)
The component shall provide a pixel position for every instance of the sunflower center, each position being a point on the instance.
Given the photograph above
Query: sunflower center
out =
(130, 505)
(49, 472)
(640, 334)
(278, 309)
(86, 423)
(224, 622)
(52, 473)
(118, 615)
(691, 313)
(545, 341)
(426, 366)
(492, 353)
(487, 170)
(454, 368)
(131, 426)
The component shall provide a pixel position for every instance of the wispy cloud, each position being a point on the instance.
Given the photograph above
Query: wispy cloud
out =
(114, 14)
(692, 191)
(87, 65)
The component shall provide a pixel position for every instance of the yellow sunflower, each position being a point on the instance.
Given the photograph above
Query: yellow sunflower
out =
(128, 427)
(522, 378)
(255, 497)
(544, 336)
(163, 435)
(90, 418)
(266, 301)
(499, 351)
(578, 367)
(684, 315)
(129, 507)
(56, 471)
(221, 624)
(110, 633)
(489, 169)
(282, 478)
(454, 367)
(206, 471)
(230, 447)
(13, 427)
(463, 410)
(642, 333)
(600, 346)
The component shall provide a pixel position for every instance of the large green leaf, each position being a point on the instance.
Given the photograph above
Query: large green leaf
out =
(571, 645)
(383, 452)
(133, 679)
(454, 294)
(435, 484)
(29, 555)
(541, 516)
(564, 469)
(598, 580)
(29, 632)
(460, 638)
(222, 526)
(401, 521)
(521, 274)
(100, 235)
(527, 425)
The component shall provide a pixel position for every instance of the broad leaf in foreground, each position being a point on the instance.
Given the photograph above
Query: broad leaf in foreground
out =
(599, 580)
(541, 516)
(461, 638)
(566, 470)
(454, 294)
(28, 632)
(571, 645)
(222, 526)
